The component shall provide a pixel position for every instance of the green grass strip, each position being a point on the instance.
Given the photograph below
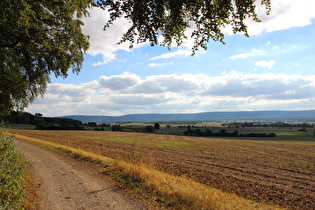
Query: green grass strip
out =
(12, 174)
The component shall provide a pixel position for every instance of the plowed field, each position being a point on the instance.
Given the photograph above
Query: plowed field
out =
(280, 173)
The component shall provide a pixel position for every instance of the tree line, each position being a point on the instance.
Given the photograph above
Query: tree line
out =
(43, 123)
(55, 123)
(223, 132)
(140, 129)
(278, 124)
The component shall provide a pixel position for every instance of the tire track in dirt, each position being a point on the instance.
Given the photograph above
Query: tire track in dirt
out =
(65, 183)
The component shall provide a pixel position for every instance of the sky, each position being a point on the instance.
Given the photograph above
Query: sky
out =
(273, 69)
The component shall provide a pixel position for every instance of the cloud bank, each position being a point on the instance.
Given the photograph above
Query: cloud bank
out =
(128, 93)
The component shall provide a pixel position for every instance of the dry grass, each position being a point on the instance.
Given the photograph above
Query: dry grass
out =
(170, 191)
(182, 193)
(75, 152)
(31, 199)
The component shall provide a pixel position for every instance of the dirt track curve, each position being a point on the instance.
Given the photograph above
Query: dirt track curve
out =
(68, 184)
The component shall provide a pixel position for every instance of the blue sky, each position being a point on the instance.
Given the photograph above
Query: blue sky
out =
(273, 69)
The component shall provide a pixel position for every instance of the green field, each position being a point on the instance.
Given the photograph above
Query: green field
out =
(20, 126)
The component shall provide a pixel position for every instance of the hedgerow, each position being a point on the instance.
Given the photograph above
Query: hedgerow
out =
(12, 174)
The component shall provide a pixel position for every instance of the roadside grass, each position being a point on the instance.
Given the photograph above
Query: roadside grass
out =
(31, 198)
(160, 188)
(13, 170)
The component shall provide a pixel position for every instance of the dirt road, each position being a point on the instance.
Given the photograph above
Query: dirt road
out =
(68, 184)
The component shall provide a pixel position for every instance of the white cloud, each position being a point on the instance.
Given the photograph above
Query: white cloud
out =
(70, 92)
(159, 64)
(172, 54)
(275, 47)
(139, 100)
(284, 14)
(128, 93)
(254, 52)
(119, 82)
(268, 64)
(105, 42)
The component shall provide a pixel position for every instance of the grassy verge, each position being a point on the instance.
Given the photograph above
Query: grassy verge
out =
(12, 175)
(160, 188)
(31, 198)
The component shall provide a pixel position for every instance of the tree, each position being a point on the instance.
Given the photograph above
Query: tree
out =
(170, 18)
(149, 128)
(77, 123)
(37, 39)
(222, 131)
(65, 123)
(40, 123)
(38, 115)
(156, 126)
(208, 132)
(198, 132)
(92, 124)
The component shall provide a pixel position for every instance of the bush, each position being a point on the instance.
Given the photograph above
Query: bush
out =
(149, 129)
(12, 173)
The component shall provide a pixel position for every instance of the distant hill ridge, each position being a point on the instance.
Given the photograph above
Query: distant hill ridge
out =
(307, 115)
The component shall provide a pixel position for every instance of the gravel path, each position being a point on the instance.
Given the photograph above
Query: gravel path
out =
(66, 183)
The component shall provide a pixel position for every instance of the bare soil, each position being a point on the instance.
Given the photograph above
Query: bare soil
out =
(277, 173)
(65, 183)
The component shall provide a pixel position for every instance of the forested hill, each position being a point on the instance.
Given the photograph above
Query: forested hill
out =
(308, 115)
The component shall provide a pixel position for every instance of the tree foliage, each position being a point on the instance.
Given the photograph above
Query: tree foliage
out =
(37, 39)
(171, 19)
(156, 126)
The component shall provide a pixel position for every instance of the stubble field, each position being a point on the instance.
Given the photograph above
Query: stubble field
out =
(275, 172)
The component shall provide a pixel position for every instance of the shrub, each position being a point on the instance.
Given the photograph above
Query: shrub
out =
(12, 173)
(149, 129)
